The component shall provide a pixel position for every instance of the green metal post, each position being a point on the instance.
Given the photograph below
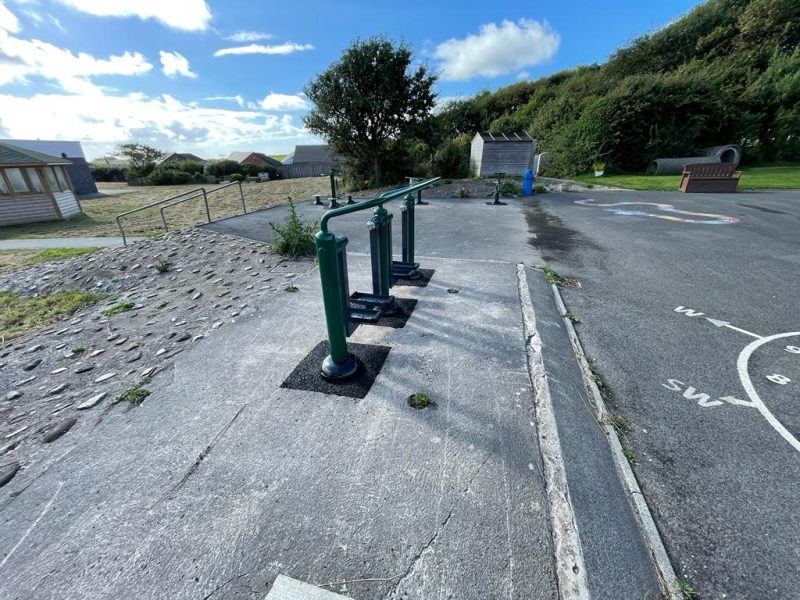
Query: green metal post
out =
(333, 183)
(384, 243)
(339, 364)
(408, 234)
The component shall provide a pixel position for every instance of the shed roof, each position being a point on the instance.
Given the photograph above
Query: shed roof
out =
(308, 153)
(181, 156)
(504, 137)
(14, 155)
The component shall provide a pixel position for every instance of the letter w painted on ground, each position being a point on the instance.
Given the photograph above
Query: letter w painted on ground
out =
(688, 312)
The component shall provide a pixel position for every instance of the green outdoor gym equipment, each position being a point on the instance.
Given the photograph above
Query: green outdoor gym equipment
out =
(345, 311)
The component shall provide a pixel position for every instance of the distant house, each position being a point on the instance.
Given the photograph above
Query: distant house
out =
(34, 187)
(501, 153)
(78, 169)
(254, 158)
(111, 161)
(175, 157)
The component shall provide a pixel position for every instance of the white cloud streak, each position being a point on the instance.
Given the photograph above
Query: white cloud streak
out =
(287, 48)
(497, 50)
(23, 59)
(284, 102)
(187, 15)
(165, 122)
(8, 20)
(241, 37)
(175, 64)
(238, 99)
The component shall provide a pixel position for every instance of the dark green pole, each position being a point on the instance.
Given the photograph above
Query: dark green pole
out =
(408, 241)
(339, 364)
(333, 183)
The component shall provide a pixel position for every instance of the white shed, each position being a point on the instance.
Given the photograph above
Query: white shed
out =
(508, 153)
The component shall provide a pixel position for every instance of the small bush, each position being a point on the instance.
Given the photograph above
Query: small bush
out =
(539, 189)
(103, 173)
(236, 177)
(161, 265)
(295, 236)
(164, 176)
(510, 188)
(223, 168)
(190, 166)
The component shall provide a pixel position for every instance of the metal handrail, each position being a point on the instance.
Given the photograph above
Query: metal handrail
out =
(205, 195)
(378, 201)
(145, 207)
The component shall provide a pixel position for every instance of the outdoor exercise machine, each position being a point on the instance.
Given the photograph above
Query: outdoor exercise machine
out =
(344, 312)
(412, 181)
(497, 187)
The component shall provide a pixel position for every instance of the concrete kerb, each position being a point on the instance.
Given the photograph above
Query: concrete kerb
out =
(569, 563)
(655, 544)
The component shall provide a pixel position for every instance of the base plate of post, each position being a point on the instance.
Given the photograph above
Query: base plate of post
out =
(405, 270)
(306, 375)
(497, 203)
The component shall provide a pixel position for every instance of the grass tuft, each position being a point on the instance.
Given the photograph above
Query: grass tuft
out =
(162, 266)
(119, 307)
(134, 395)
(419, 400)
(686, 589)
(20, 314)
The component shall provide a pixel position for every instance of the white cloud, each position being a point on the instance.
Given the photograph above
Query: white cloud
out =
(174, 64)
(286, 48)
(497, 50)
(284, 102)
(100, 121)
(238, 99)
(8, 21)
(523, 75)
(248, 36)
(188, 15)
(23, 59)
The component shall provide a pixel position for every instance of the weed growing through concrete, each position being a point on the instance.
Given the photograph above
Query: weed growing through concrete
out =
(452, 290)
(575, 320)
(162, 266)
(295, 236)
(539, 189)
(618, 423)
(419, 400)
(552, 276)
(77, 351)
(629, 456)
(291, 288)
(134, 395)
(686, 589)
(119, 307)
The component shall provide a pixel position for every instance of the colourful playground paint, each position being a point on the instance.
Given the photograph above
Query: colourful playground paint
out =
(617, 209)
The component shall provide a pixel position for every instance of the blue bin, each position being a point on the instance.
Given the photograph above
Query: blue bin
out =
(527, 183)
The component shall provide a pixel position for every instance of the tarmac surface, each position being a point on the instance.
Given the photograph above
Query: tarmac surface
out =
(223, 479)
(690, 312)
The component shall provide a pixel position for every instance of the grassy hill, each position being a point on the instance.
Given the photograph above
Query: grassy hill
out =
(726, 72)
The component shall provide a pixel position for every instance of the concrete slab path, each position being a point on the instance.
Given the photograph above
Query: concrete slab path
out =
(222, 480)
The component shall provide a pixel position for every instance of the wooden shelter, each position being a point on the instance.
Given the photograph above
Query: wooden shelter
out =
(34, 187)
(501, 153)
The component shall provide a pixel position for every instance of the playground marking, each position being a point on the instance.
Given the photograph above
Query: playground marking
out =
(742, 367)
(618, 208)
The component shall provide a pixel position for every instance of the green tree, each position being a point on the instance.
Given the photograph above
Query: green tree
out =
(141, 156)
(368, 99)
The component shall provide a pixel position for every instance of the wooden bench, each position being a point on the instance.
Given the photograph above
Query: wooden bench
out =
(709, 177)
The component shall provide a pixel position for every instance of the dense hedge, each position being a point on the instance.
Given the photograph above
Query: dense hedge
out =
(104, 173)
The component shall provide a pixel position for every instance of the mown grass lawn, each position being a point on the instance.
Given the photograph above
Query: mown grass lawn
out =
(13, 260)
(778, 176)
(99, 212)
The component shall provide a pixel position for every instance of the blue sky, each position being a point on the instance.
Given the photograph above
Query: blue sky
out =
(215, 76)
